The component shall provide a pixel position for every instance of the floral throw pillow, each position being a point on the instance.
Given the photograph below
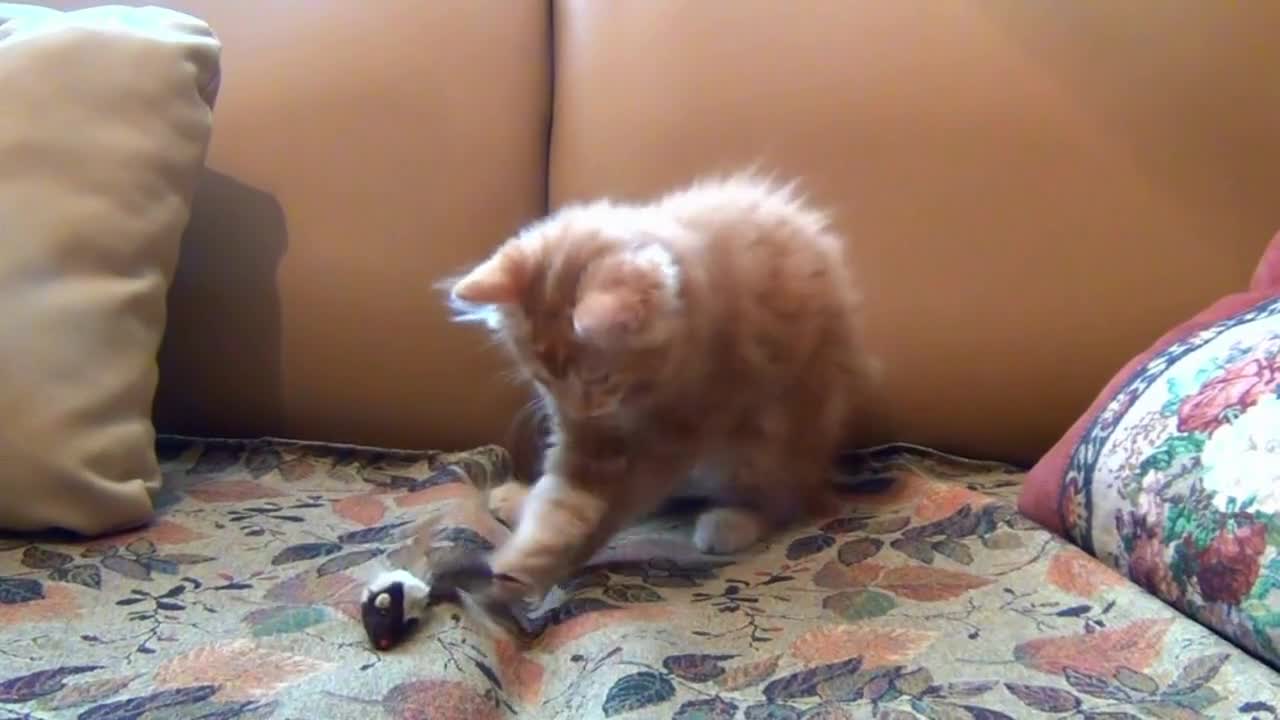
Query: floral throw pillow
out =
(1173, 476)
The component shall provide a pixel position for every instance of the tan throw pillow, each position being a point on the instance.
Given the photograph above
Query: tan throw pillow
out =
(105, 117)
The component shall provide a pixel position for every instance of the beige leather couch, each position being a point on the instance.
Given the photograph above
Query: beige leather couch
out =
(1034, 192)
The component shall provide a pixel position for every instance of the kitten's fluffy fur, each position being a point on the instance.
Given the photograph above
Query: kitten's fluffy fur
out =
(705, 343)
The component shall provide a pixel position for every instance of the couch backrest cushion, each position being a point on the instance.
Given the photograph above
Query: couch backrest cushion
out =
(1033, 191)
(360, 152)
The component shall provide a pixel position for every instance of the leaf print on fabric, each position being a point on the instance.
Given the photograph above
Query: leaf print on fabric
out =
(706, 709)
(434, 495)
(954, 550)
(1002, 540)
(285, 619)
(1044, 698)
(982, 713)
(851, 687)
(1093, 685)
(127, 566)
(232, 491)
(25, 688)
(1102, 652)
(835, 576)
(217, 459)
(894, 714)
(1136, 681)
(878, 646)
(964, 689)
(804, 684)
(241, 669)
(339, 563)
(162, 532)
(307, 588)
(918, 550)
(465, 537)
(297, 469)
(487, 672)
(962, 523)
(632, 593)
(56, 602)
(695, 667)
(84, 574)
(305, 551)
(38, 558)
(826, 711)
(771, 711)
(134, 708)
(521, 675)
(565, 632)
(913, 684)
(637, 691)
(375, 534)
(859, 604)
(941, 500)
(929, 584)
(741, 677)
(1197, 673)
(1072, 570)
(803, 547)
(213, 710)
(184, 558)
(14, 591)
(90, 691)
(575, 608)
(856, 551)
(438, 700)
(367, 509)
(261, 460)
(887, 525)
(844, 525)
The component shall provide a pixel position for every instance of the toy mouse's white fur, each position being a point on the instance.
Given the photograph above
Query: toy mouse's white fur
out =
(415, 591)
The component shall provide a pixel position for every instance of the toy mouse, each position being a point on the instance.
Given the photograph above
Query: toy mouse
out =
(396, 601)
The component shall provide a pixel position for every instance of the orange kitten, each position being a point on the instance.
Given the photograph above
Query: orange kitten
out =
(706, 343)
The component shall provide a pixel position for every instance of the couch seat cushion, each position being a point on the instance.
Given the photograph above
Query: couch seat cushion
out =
(927, 595)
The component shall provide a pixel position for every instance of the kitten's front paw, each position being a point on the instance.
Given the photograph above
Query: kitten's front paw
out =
(506, 500)
(726, 530)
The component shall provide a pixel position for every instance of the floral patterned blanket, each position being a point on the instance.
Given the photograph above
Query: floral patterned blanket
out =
(926, 596)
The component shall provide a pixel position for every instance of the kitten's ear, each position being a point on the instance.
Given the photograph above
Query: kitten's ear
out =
(606, 318)
(496, 281)
(631, 302)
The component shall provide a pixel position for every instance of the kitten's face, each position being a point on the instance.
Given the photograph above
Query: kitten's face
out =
(589, 310)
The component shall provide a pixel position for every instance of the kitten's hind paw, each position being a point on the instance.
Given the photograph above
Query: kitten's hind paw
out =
(727, 530)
